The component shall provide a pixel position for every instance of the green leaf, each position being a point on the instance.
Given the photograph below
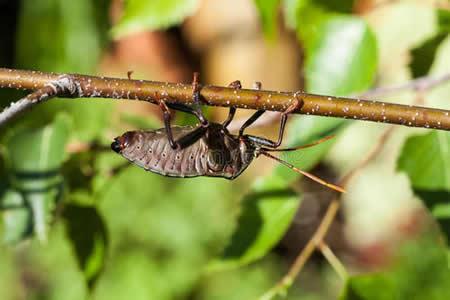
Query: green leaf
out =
(408, 278)
(140, 15)
(423, 55)
(87, 233)
(268, 10)
(34, 157)
(341, 58)
(426, 161)
(267, 213)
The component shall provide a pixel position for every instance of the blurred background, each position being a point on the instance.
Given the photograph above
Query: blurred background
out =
(76, 223)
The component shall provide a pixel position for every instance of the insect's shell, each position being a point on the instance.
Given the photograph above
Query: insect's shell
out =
(216, 154)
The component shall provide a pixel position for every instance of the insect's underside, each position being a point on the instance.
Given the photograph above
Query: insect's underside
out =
(207, 149)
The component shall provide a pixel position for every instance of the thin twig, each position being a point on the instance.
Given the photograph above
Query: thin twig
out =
(333, 260)
(93, 86)
(421, 83)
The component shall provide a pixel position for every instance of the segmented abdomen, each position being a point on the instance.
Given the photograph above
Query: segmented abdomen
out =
(151, 150)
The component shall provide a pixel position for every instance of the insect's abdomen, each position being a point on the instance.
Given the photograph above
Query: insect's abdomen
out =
(151, 150)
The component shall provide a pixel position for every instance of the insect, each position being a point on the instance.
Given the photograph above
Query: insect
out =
(207, 149)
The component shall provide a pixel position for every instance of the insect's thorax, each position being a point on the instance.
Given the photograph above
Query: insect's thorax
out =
(217, 153)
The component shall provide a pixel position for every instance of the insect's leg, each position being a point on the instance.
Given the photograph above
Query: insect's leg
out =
(284, 116)
(182, 108)
(237, 85)
(257, 86)
(250, 121)
(166, 114)
(196, 96)
(191, 137)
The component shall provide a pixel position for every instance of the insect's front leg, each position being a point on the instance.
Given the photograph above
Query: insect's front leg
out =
(237, 85)
(298, 103)
(257, 86)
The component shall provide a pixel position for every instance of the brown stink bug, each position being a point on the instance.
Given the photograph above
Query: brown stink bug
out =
(207, 149)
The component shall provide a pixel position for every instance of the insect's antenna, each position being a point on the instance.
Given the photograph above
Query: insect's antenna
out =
(300, 147)
(317, 179)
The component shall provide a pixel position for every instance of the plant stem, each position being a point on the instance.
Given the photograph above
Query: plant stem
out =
(333, 260)
(94, 86)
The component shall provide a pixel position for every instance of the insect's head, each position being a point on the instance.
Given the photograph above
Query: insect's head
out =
(123, 141)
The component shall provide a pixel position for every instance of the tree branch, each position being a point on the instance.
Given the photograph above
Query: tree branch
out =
(93, 86)
(63, 85)
(421, 84)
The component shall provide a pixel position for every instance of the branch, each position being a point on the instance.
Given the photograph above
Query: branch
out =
(63, 85)
(93, 86)
(421, 84)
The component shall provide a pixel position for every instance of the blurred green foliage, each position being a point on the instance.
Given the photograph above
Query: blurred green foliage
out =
(111, 232)
(426, 161)
(420, 272)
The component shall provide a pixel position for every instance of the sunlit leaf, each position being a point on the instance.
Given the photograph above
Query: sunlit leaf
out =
(426, 161)
(140, 15)
(341, 58)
